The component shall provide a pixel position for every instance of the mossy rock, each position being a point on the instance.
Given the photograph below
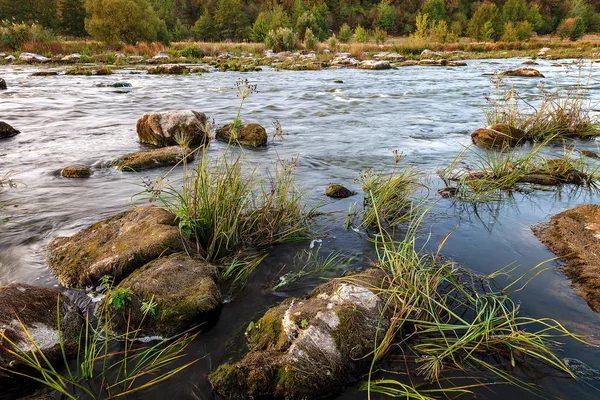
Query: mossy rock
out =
(116, 246)
(37, 309)
(525, 72)
(498, 136)
(153, 158)
(45, 73)
(310, 348)
(170, 69)
(167, 128)
(337, 191)
(7, 131)
(252, 135)
(97, 71)
(76, 171)
(184, 290)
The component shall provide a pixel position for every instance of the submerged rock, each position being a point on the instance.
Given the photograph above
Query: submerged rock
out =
(169, 69)
(184, 290)
(7, 131)
(76, 171)
(252, 135)
(498, 136)
(2, 84)
(338, 191)
(590, 154)
(116, 246)
(166, 128)
(45, 73)
(524, 72)
(36, 307)
(153, 158)
(555, 172)
(310, 348)
(98, 71)
(574, 235)
(530, 62)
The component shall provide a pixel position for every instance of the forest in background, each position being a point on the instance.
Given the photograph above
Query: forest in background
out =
(132, 21)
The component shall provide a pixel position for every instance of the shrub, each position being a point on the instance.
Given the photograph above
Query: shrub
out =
(191, 52)
(386, 16)
(310, 40)
(260, 28)
(14, 35)
(345, 33)
(486, 23)
(282, 39)
(440, 31)
(332, 43)
(573, 28)
(510, 33)
(361, 35)
(422, 25)
(524, 30)
(379, 35)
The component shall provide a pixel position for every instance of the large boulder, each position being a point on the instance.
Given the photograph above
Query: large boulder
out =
(374, 64)
(574, 235)
(37, 308)
(310, 348)
(153, 158)
(498, 136)
(7, 131)
(183, 289)
(33, 58)
(166, 128)
(524, 72)
(252, 135)
(116, 246)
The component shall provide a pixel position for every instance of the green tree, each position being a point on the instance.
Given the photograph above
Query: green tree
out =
(486, 23)
(44, 12)
(204, 28)
(72, 17)
(231, 21)
(345, 33)
(260, 28)
(435, 10)
(128, 21)
(386, 16)
(515, 11)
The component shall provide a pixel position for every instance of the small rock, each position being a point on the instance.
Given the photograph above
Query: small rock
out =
(338, 191)
(498, 136)
(589, 154)
(338, 81)
(135, 59)
(7, 131)
(252, 135)
(407, 63)
(430, 53)
(71, 58)
(2, 84)
(10, 58)
(529, 62)
(76, 171)
(161, 55)
(166, 128)
(524, 72)
(154, 158)
(374, 64)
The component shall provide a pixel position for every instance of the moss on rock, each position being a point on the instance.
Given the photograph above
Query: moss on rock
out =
(153, 158)
(337, 191)
(252, 135)
(310, 348)
(184, 290)
(498, 136)
(76, 171)
(116, 246)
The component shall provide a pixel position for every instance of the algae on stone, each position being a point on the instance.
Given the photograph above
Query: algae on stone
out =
(252, 135)
(153, 158)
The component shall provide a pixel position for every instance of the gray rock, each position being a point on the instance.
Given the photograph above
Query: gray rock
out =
(7, 131)
(166, 128)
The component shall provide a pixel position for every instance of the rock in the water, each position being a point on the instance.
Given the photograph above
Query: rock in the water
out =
(2, 84)
(161, 55)
(185, 292)
(76, 171)
(167, 128)
(32, 58)
(310, 348)
(530, 62)
(7, 131)
(574, 236)
(116, 246)
(374, 64)
(498, 136)
(154, 158)
(338, 191)
(45, 73)
(590, 154)
(252, 135)
(36, 308)
(524, 72)
(174, 69)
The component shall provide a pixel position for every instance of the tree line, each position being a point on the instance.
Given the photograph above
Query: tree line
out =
(131, 21)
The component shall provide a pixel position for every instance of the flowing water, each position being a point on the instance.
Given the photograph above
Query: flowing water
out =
(338, 129)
